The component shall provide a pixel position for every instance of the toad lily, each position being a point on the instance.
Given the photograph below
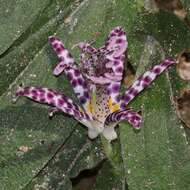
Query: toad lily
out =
(96, 82)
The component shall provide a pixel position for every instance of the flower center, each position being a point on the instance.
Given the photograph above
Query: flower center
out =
(94, 67)
(99, 103)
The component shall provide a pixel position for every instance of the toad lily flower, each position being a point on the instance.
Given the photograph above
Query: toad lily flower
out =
(96, 82)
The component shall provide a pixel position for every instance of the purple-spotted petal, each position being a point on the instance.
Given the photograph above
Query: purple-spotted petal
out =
(63, 54)
(116, 45)
(78, 83)
(69, 67)
(60, 49)
(132, 117)
(59, 101)
(114, 50)
(145, 80)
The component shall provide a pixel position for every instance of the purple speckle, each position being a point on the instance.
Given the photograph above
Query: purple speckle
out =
(52, 102)
(147, 79)
(135, 92)
(166, 63)
(126, 98)
(20, 93)
(109, 91)
(40, 90)
(120, 33)
(59, 50)
(135, 118)
(118, 99)
(34, 97)
(117, 30)
(74, 83)
(41, 95)
(82, 100)
(56, 45)
(144, 85)
(63, 64)
(62, 47)
(86, 116)
(118, 57)
(116, 63)
(86, 94)
(112, 34)
(25, 92)
(60, 102)
(42, 100)
(70, 76)
(52, 39)
(76, 72)
(119, 69)
(85, 85)
(64, 98)
(115, 88)
(157, 70)
(34, 93)
(119, 41)
(76, 113)
(107, 43)
(82, 114)
(69, 55)
(123, 106)
(55, 93)
(69, 105)
(50, 95)
(80, 81)
(68, 110)
(130, 91)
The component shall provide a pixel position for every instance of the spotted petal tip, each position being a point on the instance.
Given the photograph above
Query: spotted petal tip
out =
(51, 39)
(132, 117)
(144, 81)
(117, 41)
(60, 50)
(18, 93)
(59, 68)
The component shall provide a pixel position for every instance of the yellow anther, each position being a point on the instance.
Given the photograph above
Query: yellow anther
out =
(113, 106)
(89, 107)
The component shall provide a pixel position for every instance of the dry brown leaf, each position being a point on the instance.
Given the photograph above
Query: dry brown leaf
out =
(183, 64)
(174, 6)
(182, 105)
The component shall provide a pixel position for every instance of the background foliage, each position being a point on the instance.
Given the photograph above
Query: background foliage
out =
(58, 150)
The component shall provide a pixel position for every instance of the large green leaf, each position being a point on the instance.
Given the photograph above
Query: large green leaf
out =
(156, 157)
(19, 49)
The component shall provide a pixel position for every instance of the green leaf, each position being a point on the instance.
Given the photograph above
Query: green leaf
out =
(16, 17)
(108, 179)
(18, 50)
(157, 157)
